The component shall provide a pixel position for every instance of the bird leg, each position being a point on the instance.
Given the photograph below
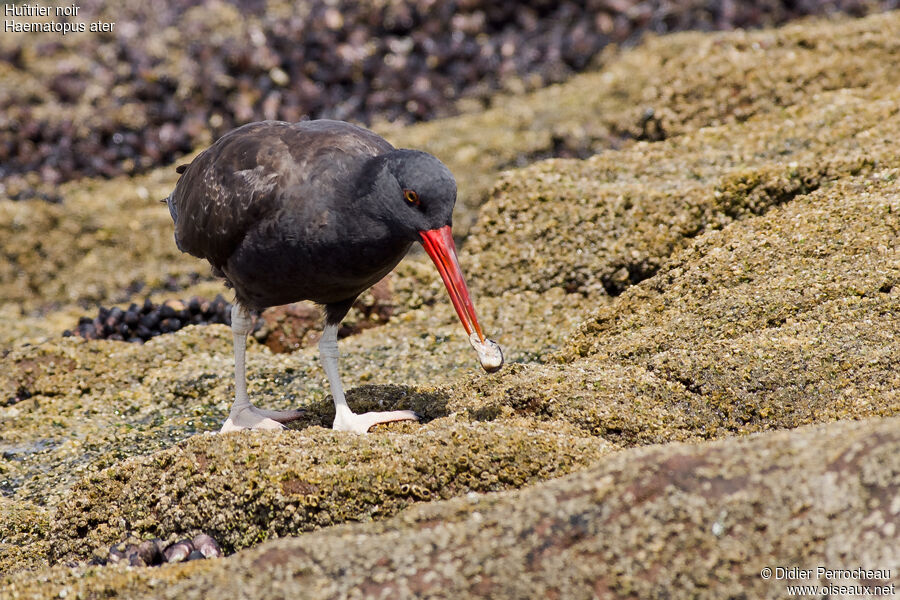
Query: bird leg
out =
(344, 418)
(244, 415)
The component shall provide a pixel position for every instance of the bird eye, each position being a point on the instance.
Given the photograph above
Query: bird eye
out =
(412, 197)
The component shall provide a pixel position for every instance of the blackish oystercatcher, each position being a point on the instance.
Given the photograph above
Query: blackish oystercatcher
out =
(316, 210)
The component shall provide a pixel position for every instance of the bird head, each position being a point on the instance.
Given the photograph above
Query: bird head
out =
(418, 192)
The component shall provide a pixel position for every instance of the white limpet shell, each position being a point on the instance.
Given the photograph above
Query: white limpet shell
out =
(489, 353)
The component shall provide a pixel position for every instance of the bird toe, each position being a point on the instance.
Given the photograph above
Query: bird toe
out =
(269, 424)
(362, 423)
(253, 418)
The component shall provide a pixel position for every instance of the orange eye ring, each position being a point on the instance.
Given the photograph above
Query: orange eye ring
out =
(412, 197)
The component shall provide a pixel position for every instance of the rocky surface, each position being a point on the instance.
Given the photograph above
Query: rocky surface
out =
(110, 241)
(740, 276)
(245, 488)
(282, 329)
(697, 521)
(168, 78)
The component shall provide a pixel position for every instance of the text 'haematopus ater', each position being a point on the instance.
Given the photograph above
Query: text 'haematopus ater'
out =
(316, 210)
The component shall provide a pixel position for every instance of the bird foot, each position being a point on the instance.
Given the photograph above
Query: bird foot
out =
(251, 417)
(362, 423)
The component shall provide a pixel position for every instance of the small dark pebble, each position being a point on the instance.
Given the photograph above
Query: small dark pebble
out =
(108, 326)
(169, 325)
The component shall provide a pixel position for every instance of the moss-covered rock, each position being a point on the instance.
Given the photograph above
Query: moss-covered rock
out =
(778, 320)
(72, 406)
(775, 321)
(785, 316)
(667, 87)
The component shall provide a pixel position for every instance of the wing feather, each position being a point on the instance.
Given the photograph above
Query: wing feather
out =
(253, 172)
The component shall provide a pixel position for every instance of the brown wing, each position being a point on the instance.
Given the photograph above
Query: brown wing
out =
(253, 171)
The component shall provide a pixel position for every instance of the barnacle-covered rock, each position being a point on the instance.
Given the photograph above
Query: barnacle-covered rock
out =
(736, 277)
(684, 521)
(171, 76)
(243, 489)
(111, 241)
